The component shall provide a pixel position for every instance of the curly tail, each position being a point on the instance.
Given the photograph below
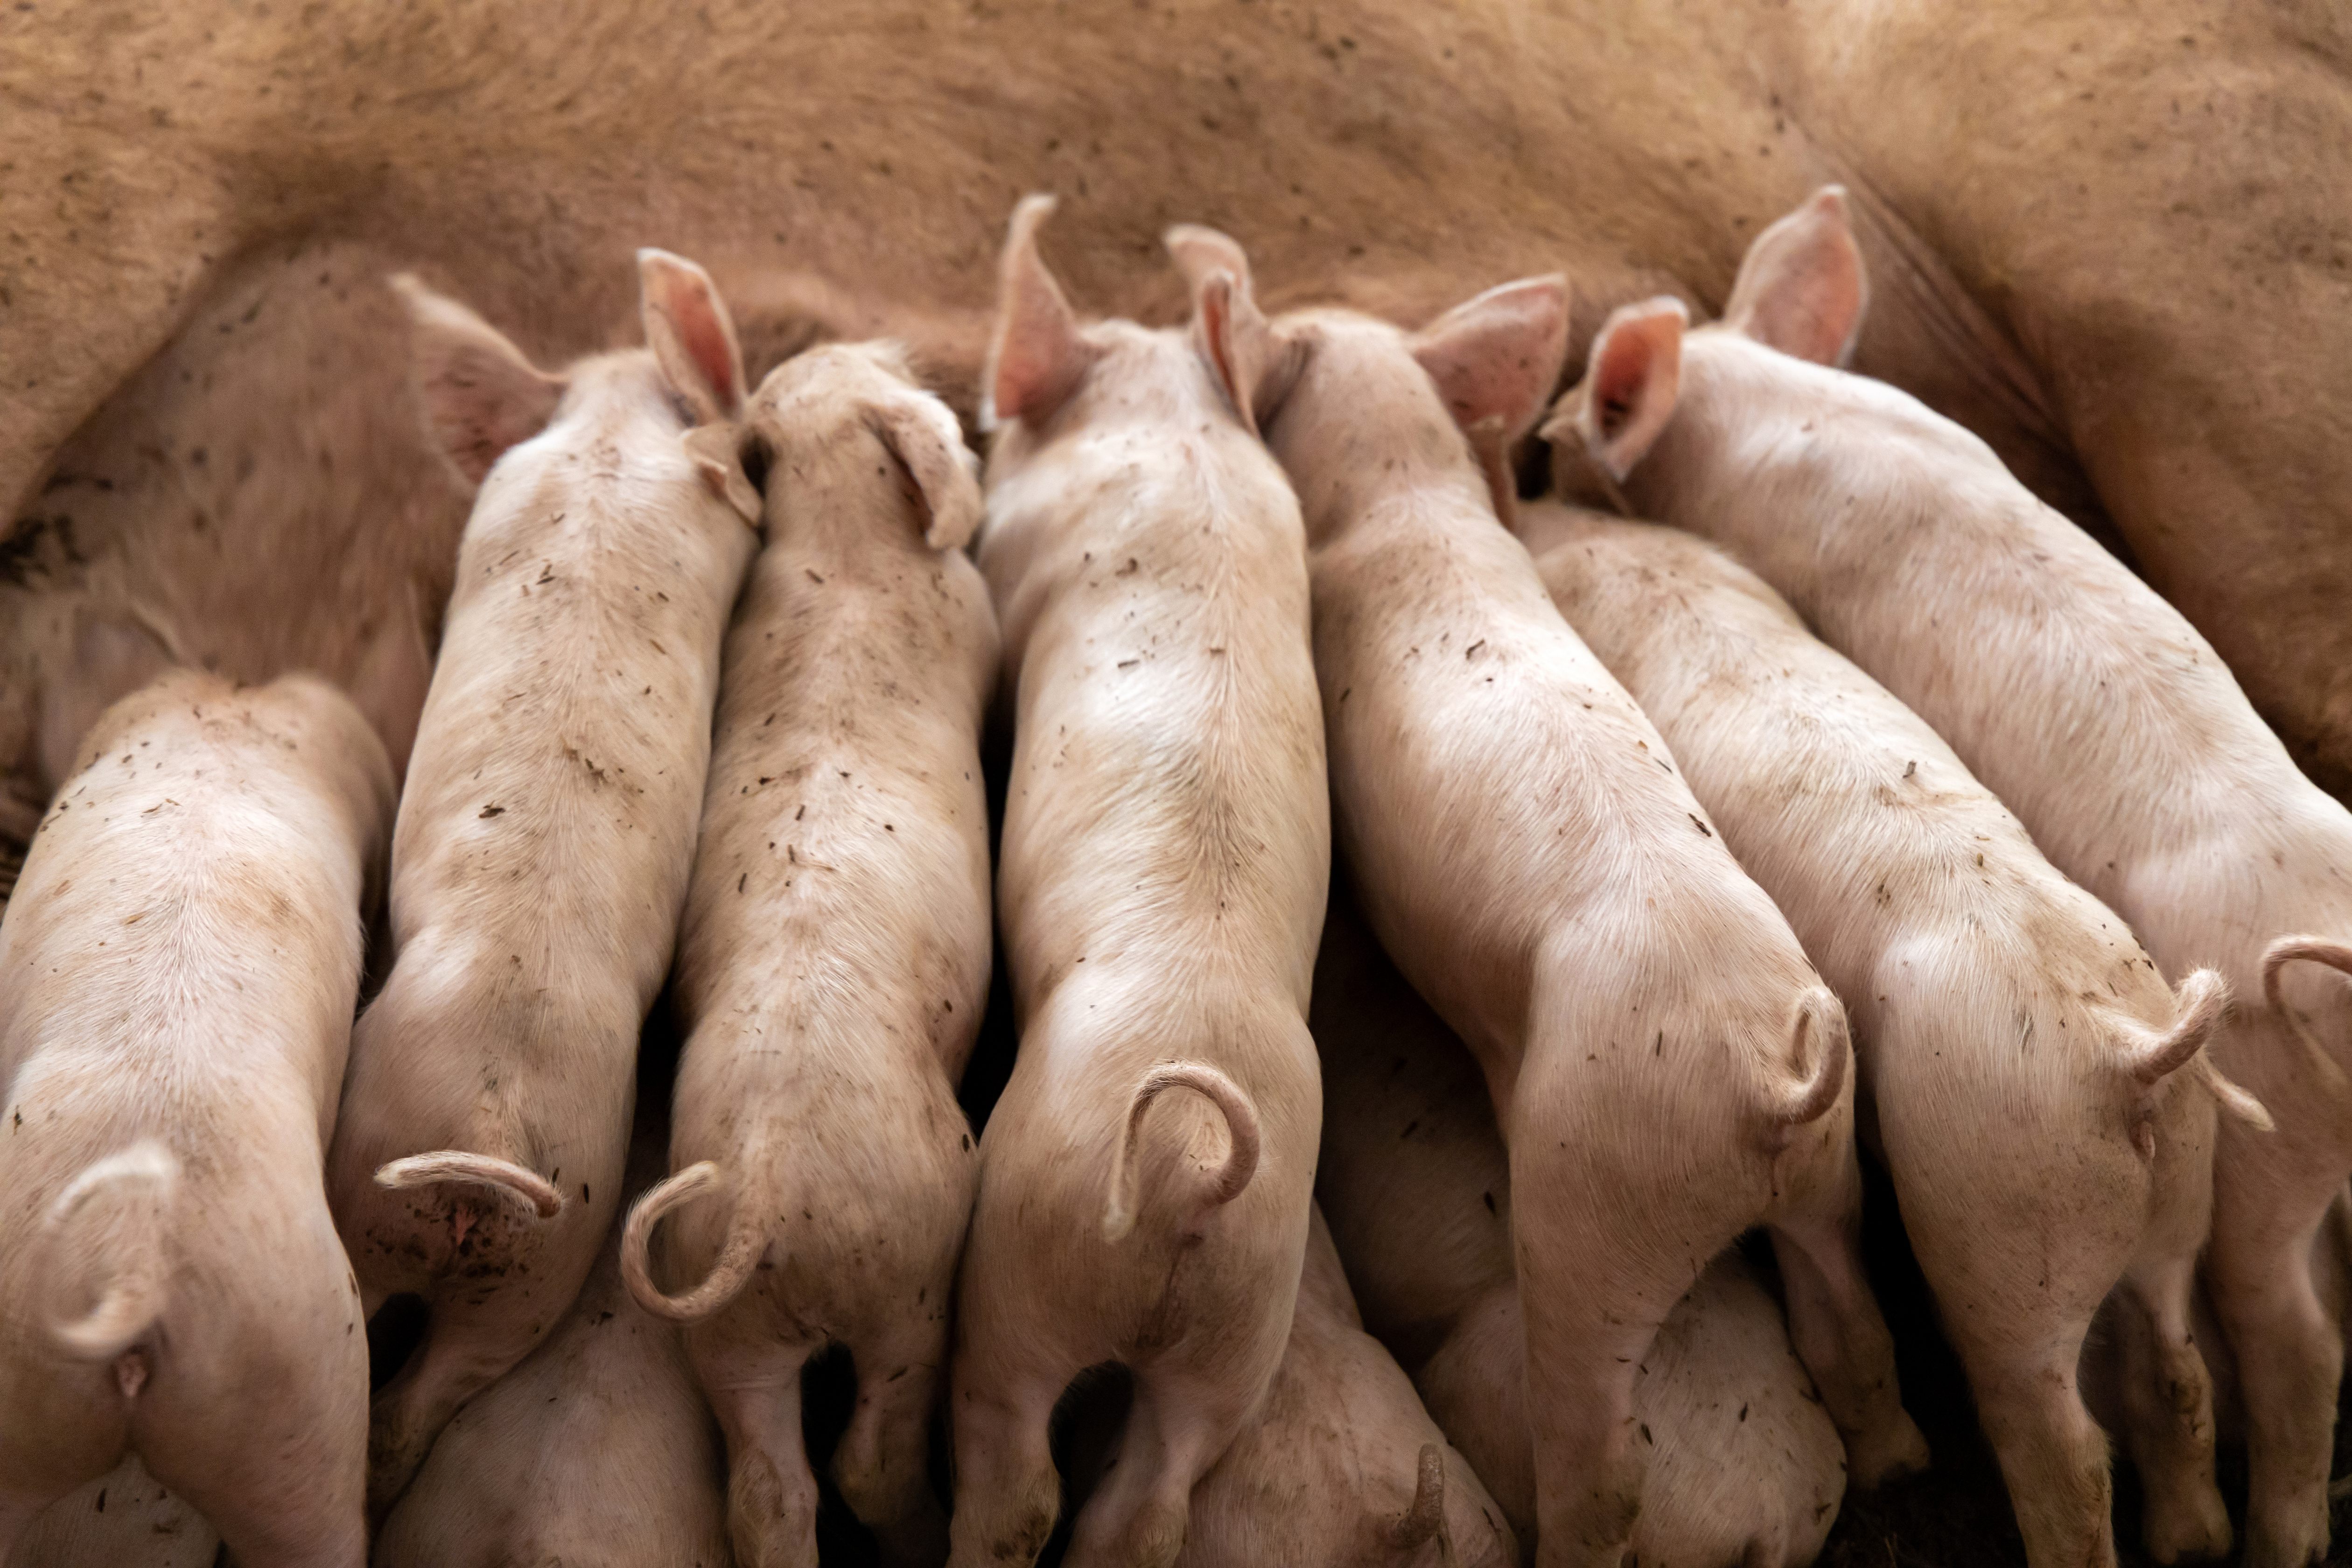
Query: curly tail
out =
(1426, 1518)
(2289, 950)
(737, 1259)
(504, 1177)
(116, 1212)
(1819, 1014)
(1240, 1128)
(2202, 1000)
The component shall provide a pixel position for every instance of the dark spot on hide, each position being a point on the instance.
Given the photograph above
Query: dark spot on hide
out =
(1702, 827)
(490, 811)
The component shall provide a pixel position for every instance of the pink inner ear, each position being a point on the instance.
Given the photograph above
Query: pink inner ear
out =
(1618, 380)
(706, 340)
(1215, 304)
(1039, 356)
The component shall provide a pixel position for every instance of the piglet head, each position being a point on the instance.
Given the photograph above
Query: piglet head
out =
(478, 392)
(815, 399)
(1493, 360)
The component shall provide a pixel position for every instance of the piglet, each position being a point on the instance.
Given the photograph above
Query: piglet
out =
(1667, 1068)
(835, 961)
(2045, 1105)
(177, 971)
(596, 1451)
(2081, 698)
(1342, 1467)
(1745, 1466)
(1146, 1177)
(545, 834)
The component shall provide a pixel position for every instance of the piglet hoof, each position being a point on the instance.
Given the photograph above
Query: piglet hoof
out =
(1897, 1449)
(2186, 1521)
(2292, 1537)
(772, 1505)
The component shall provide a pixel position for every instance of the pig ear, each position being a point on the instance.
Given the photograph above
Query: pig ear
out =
(692, 335)
(478, 392)
(1228, 329)
(1631, 381)
(1035, 358)
(1496, 358)
(928, 444)
(1801, 289)
(721, 454)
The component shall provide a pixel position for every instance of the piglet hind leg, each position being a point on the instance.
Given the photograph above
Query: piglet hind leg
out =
(2168, 1412)
(883, 1465)
(771, 1496)
(2289, 1349)
(2019, 1340)
(1840, 1333)
(1136, 1519)
(1007, 1493)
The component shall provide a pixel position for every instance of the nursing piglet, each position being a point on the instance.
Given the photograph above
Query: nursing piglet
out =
(1342, 1467)
(2083, 700)
(177, 973)
(597, 1451)
(1146, 1178)
(1667, 1070)
(2043, 1104)
(835, 961)
(1745, 1466)
(545, 835)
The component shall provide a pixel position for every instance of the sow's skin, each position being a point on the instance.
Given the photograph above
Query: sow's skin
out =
(1146, 1178)
(545, 835)
(1745, 1465)
(834, 964)
(125, 1519)
(2045, 1106)
(177, 973)
(1667, 1070)
(597, 1451)
(2083, 701)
